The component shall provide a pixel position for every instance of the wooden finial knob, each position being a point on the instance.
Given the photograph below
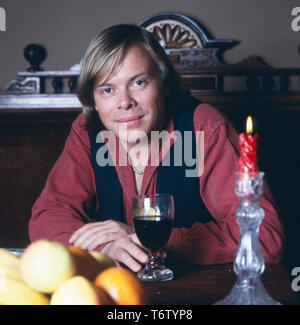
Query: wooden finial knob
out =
(35, 54)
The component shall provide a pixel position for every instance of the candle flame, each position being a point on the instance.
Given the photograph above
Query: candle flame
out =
(249, 125)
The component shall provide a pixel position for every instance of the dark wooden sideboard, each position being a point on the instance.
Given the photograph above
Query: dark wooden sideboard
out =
(30, 143)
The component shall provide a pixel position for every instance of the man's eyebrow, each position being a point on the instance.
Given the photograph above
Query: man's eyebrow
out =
(108, 84)
(104, 84)
(140, 74)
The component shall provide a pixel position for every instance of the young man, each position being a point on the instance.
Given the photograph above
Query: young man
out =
(129, 90)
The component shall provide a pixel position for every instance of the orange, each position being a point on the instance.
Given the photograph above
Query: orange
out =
(122, 285)
(87, 265)
(103, 296)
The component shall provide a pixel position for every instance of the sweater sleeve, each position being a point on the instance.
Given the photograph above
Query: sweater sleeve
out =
(216, 241)
(68, 200)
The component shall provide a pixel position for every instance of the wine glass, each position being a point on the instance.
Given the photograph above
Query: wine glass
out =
(153, 222)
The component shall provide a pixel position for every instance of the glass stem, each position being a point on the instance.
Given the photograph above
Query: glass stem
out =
(154, 262)
(249, 263)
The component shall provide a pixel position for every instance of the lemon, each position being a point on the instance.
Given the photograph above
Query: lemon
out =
(144, 212)
(150, 212)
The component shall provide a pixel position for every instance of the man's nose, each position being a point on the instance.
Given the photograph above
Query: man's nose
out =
(126, 101)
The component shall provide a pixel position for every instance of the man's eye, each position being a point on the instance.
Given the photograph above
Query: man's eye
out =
(106, 91)
(139, 82)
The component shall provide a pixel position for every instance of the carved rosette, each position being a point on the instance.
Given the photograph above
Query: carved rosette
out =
(172, 34)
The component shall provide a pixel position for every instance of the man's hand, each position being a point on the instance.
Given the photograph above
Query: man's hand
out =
(121, 242)
(93, 234)
(127, 250)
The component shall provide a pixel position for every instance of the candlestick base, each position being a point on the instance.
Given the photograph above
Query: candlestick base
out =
(245, 294)
(249, 263)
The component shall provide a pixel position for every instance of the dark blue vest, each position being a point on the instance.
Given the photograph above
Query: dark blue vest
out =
(189, 206)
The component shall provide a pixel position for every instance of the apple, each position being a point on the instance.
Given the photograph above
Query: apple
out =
(79, 291)
(46, 264)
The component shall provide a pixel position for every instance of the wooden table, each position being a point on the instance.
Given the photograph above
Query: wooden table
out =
(204, 285)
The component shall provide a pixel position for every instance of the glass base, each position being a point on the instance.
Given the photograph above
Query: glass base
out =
(248, 295)
(158, 274)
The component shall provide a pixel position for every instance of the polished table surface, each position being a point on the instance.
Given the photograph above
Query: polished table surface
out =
(205, 285)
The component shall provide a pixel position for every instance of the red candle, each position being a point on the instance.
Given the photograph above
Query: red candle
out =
(248, 147)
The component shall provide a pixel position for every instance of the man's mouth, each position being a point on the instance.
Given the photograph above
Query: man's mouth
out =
(133, 120)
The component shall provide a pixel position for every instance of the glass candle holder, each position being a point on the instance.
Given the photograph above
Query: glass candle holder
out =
(249, 262)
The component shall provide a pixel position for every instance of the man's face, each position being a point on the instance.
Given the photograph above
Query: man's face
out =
(132, 99)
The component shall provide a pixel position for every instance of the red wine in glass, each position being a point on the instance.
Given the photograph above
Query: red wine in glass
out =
(153, 232)
(153, 222)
